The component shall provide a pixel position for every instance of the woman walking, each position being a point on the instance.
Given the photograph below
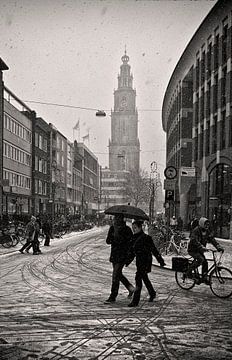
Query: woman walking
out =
(143, 248)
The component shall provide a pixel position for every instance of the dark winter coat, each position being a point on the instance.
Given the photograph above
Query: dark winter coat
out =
(119, 237)
(199, 240)
(144, 248)
(46, 227)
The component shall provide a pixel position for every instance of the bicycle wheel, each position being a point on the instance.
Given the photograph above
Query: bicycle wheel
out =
(14, 239)
(183, 281)
(221, 282)
(171, 250)
(22, 240)
(41, 238)
(6, 241)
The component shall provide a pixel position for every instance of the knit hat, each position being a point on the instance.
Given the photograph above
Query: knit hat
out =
(202, 222)
(33, 218)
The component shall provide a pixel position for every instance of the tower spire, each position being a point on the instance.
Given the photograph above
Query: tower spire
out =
(125, 79)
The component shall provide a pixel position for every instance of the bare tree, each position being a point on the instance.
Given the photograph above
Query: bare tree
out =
(138, 187)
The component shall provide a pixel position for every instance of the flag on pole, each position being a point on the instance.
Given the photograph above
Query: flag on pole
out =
(77, 126)
(85, 137)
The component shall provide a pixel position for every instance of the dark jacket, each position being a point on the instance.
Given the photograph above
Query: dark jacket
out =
(144, 248)
(46, 227)
(199, 240)
(119, 237)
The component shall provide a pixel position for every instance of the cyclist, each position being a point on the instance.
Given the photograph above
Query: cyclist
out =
(200, 236)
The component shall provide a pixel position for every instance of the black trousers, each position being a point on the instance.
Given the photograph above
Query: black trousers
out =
(47, 239)
(34, 244)
(140, 277)
(199, 259)
(117, 276)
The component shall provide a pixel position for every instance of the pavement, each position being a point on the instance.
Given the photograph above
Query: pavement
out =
(52, 308)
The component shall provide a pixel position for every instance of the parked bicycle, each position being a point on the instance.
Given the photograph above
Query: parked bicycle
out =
(220, 277)
(178, 246)
(8, 239)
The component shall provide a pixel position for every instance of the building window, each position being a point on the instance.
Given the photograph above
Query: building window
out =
(224, 43)
(216, 52)
(41, 142)
(214, 136)
(45, 147)
(201, 141)
(208, 97)
(197, 109)
(230, 132)
(223, 86)
(40, 165)
(40, 187)
(202, 99)
(36, 162)
(207, 138)
(209, 63)
(16, 154)
(196, 145)
(223, 131)
(203, 68)
(16, 179)
(215, 97)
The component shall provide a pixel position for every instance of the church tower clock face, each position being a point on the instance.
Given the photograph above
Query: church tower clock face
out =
(123, 103)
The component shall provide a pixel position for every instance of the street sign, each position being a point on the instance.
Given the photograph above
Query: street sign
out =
(169, 184)
(170, 172)
(169, 195)
(187, 171)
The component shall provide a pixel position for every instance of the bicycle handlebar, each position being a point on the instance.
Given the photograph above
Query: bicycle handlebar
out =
(214, 251)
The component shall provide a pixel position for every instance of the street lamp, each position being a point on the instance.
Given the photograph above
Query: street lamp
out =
(153, 182)
(100, 113)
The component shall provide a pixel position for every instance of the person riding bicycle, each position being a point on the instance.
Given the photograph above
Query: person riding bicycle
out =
(200, 236)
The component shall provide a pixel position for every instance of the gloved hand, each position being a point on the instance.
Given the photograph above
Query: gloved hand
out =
(220, 249)
(205, 249)
(162, 263)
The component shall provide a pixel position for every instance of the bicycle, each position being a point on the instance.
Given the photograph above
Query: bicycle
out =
(8, 238)
(175, 248)
(220, 277)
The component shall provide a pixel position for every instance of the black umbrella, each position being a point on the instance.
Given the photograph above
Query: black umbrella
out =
(128, 211)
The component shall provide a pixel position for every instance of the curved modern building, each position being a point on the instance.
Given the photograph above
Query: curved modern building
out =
(197, 119)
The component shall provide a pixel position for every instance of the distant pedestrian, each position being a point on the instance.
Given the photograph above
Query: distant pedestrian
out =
(144, 248)
(119, 237)
(173, 222)
(35, 244)
(32, 231)
(179, 224)
(193, 224)
(47, 230)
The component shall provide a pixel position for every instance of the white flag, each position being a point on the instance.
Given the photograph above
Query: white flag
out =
(77, 126)
(85, 137)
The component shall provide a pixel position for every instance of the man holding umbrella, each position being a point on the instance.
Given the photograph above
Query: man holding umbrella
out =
(119, 237)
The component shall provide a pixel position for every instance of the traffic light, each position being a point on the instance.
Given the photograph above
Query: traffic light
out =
(169, 195)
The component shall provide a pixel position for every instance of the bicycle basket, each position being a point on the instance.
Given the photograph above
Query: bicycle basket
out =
(179, 263)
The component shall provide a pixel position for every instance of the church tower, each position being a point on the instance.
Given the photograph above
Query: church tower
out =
(124, 146)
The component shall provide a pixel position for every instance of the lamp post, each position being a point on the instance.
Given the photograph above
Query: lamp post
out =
(153, 180)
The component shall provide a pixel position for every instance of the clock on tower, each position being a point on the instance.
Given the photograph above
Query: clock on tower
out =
(123, 103)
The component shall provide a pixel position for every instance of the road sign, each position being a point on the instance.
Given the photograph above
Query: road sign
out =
(187, 171)
(169, 184)
(169, 195)
(170, 172)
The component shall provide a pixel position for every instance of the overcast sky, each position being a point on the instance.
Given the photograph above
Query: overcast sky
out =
(69, 52)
